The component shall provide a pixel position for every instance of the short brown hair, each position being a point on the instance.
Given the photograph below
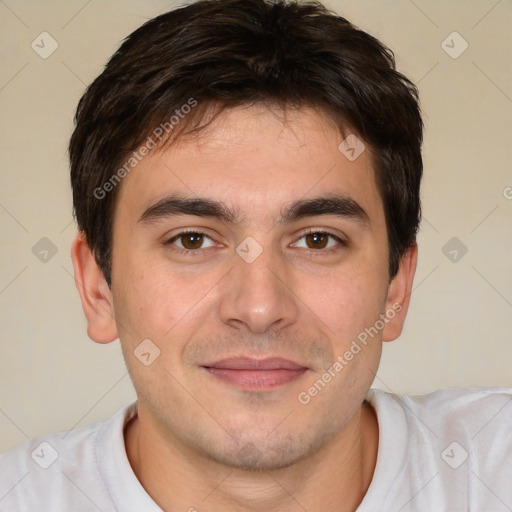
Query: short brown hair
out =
(225, 53)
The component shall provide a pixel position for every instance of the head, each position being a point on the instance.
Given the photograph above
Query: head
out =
(227, 119)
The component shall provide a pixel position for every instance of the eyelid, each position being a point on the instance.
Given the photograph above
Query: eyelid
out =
(324, 231)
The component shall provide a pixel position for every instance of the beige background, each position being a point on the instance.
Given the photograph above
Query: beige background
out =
(52, 377)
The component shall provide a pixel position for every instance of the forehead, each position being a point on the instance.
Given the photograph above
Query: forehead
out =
(256, 160)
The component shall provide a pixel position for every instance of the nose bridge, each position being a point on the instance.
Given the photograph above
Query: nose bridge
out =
(256, 294)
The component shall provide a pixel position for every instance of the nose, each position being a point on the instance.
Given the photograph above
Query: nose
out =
(257, 296)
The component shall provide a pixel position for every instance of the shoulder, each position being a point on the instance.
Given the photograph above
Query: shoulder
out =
(57, 471)
(455, 444)
(467, 423)
(470, 409)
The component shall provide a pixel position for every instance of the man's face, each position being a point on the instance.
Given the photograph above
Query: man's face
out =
(213, 296)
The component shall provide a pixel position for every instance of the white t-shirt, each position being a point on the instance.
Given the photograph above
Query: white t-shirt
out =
(447, 451)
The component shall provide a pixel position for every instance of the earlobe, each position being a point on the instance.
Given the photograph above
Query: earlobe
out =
(399, 295)
(94, 293)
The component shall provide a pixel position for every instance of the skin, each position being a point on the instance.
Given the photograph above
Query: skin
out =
(201, 442)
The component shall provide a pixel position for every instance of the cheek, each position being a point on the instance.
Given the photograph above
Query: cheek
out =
(166, 306)
(348, 300)
(145, 302)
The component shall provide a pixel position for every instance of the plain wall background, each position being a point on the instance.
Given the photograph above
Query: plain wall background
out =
(458, 332)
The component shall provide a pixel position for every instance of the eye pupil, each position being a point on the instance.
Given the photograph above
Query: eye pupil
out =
(319, 240)
(192, 240)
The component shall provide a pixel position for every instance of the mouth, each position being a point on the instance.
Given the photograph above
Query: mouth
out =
(256, 374)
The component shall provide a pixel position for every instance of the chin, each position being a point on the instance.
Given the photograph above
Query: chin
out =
(251, 458)
(261, 453)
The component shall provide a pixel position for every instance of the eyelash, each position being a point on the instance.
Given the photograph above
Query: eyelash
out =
(196, 252)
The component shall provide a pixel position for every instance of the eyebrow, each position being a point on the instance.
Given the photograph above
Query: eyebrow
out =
(334, 204)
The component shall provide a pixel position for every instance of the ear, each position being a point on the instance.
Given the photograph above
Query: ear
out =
(94, 293)
(399, 295)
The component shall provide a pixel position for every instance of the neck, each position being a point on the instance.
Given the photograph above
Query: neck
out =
(336, 477)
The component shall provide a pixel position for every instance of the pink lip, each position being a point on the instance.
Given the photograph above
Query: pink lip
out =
(256, 374)
(247, 363)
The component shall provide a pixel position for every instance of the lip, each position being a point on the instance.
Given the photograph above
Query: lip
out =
(248, 363)
(256, 374)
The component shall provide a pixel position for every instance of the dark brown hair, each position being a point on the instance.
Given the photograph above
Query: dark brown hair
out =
(216, 54)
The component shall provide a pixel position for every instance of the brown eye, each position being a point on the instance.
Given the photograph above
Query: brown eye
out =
(317, 240)
(191, 240)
